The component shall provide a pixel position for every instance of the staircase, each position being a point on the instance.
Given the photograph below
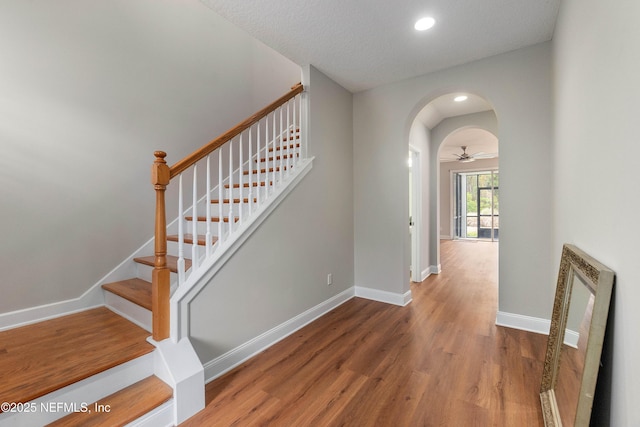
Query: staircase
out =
(99, 366)
(78, 368)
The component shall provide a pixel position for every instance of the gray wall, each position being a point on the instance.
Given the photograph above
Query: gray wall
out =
(281, 271)
(88, 91)
(596, 69)
(518, 85)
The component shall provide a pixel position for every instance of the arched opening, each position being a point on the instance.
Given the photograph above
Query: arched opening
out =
(439, 130)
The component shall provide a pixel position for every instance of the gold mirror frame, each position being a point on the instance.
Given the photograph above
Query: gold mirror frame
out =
(599, 281)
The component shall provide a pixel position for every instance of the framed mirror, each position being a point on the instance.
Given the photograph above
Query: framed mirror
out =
(574, 346)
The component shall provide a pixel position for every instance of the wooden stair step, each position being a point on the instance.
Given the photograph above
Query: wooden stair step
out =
(172, 262)
(290, 147)
(286, 156)
(263, 170)
(188, 238)
(122, 407)
(236, 200)
(291, 138)
(246, 184)
(38, 359)
(136, 290)
(213, 219)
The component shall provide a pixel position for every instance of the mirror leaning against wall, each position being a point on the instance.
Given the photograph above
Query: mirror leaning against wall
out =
(574, 347)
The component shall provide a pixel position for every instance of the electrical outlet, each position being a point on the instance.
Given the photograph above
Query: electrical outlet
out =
(329, 279)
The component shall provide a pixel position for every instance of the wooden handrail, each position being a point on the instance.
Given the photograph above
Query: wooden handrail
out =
(201, 153)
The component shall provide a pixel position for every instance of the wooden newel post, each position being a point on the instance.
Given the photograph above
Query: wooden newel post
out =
(160, 281)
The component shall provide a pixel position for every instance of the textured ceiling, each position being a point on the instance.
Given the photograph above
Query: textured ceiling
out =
(365, 43)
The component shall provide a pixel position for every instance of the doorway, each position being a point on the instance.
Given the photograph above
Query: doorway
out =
(476, 205)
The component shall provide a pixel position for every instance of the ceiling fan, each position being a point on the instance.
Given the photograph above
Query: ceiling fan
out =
(466, 157)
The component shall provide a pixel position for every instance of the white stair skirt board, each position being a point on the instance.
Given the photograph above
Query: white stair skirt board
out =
(178, 365)
(51, 407)
(224, 363)
(383, 296)
(162, 416)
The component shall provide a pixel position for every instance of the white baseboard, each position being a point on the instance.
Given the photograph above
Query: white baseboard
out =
(224, 363)
(436, 269)
(32, 315)
(445, 237)
(383, 296)
(534, 324)
(525, 323)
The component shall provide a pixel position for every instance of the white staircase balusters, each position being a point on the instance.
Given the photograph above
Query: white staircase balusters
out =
(195, 258)
(181, 222)
(240, 181)
(231, 192)
(207, 237)
(220, 197)
(268, 150)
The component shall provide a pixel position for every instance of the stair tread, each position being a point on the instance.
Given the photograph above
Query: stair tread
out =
(124, 406)
(247, 185)
(290, 147)
(263, 170)
(136, 290)
(172, 262)
(188, 238)
(285, 156)
(213, 219)
(43, 357)
(236, 200)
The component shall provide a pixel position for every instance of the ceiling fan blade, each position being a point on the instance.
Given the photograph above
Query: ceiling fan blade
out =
(482, 155)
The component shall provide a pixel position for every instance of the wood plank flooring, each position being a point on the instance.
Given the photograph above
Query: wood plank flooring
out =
(122, 407)
(440, 361)
(40, 358)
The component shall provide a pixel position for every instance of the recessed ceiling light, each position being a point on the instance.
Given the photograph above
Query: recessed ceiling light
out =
(461, 98)
(424, 23)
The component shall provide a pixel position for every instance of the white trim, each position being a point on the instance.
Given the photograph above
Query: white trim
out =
(162, 416)
(534, 324)
(415, 173)
(525, 323)
(178, 365)
(445, 237)
(425, 273)
(222, 364)
(383, 296)
(436, 269)
(571, 338)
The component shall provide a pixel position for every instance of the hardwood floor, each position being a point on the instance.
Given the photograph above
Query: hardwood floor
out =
(440, 361)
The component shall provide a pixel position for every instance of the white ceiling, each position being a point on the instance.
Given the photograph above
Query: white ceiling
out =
(365, 43)
(476, 140)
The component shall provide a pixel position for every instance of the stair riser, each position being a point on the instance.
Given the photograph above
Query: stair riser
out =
(83, 392)
(129, 310)
(144, 272)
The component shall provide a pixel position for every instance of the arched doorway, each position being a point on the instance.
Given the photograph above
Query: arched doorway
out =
(440, 128)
